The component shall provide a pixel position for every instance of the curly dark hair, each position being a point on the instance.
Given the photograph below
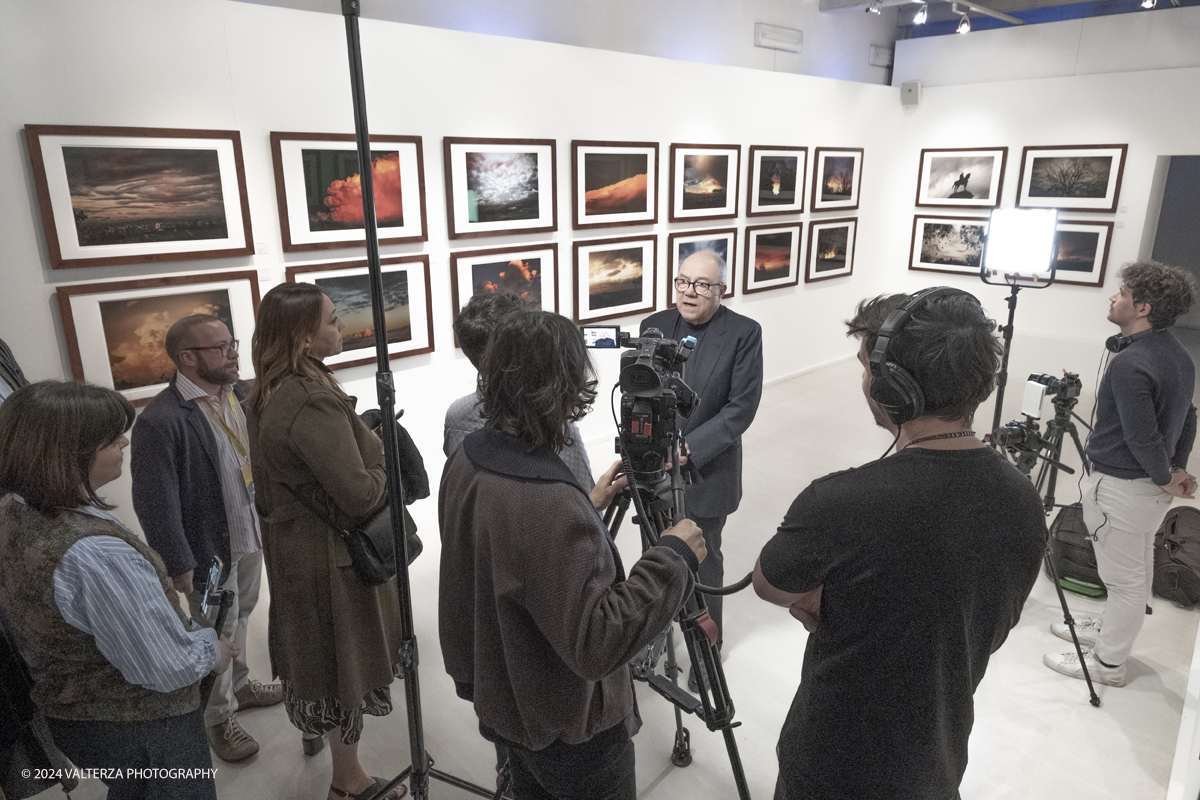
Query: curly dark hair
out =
(1170, 291)
(536, 377)
(475, 323)
(949, 347)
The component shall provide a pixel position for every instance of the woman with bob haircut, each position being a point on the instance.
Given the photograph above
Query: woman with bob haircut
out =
(115, 664)
(334, 640)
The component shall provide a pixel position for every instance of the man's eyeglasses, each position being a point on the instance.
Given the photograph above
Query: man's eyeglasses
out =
(703, 288)
(227, 349)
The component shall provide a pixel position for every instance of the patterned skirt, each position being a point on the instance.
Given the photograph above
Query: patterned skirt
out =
(316, 717)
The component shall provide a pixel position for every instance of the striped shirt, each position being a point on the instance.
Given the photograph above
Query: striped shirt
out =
(105, 588)
(225, 416)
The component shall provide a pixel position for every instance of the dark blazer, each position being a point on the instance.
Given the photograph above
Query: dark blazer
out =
(726, 371)
(176, 488)
(10, 371)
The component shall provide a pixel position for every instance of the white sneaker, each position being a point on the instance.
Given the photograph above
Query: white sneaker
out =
(1087, 629)
(1068, 664)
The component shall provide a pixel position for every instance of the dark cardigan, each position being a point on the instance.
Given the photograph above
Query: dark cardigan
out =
(537, 618)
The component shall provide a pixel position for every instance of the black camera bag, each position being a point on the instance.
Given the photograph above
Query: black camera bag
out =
(1177, 557)
(1072, 554)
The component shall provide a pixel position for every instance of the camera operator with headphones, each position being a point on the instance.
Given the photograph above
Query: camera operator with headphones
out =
(1145, 425)
(909, 571)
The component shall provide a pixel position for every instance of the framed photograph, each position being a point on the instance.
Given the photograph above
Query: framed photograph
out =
(772, 257)
(1084, 177)
(723, 243)
(529, 273)
(319, 190)
(499, 187)
(613, 183)
(139, 195)
(837, 178)
(968, 178)
(830, 249)
(776, 180)
(115, 329)
(407, 301)
(1082, 252)
(614, 277)
(948, 244)
(704, 181)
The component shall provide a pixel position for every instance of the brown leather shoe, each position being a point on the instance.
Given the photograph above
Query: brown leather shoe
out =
(230, 742)
(257, 695)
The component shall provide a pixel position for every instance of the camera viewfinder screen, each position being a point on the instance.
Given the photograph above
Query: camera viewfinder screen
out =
(601, 335)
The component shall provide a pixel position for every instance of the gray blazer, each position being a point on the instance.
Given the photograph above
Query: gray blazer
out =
(726, 371)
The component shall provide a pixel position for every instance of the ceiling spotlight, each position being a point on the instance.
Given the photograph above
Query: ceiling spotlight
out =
(1148, 3)
(921, 15)
(964, 26)
(876, 7)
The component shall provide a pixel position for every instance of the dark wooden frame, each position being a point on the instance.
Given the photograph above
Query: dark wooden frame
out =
(748, 262)
(1061, 276)
(1029, 153)
(455, 257)
(676, 188)
(652, 185)
(816, 179)
(46, 202)
(449, 141)
(912, 248)
(285, 228)
(752, 180)
(653, 241)
(332, 266)
(67, 315)
(730, 270)
(812, 230)
(994, 203)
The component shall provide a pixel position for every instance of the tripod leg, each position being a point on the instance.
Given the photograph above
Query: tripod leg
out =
(1070, 623)
(681, 754)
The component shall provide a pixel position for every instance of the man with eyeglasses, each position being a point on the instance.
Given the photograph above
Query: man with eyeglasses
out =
(194, 497)
(726, 371)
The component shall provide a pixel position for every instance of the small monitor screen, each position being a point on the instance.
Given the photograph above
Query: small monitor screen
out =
(601, 335)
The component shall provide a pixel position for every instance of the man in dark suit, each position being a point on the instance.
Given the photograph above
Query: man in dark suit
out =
(725, 371)
(194, 497)
(11, 377)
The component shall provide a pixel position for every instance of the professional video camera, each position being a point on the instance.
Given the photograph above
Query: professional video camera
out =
(653, 400)
(1022, 438)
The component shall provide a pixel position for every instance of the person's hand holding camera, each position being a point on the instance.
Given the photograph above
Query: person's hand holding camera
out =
(183, 582)
(611, 482)
(691, 535)
(227, 651)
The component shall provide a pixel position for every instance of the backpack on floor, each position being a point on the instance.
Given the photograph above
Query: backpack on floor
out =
(1177, 557)
(1072, 554)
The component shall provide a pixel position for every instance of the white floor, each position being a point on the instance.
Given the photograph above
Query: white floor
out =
(1035, 734)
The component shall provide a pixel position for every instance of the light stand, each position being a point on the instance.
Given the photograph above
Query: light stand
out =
(421, 767)
(1016, 240)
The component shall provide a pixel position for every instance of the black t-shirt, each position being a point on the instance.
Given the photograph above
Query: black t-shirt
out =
(926, 559)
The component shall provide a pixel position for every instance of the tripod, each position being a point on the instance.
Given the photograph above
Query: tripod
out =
(658, 503)
(1056, 429)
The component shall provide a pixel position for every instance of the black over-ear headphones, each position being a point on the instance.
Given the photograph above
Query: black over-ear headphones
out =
(892, 386)
(1116, 343)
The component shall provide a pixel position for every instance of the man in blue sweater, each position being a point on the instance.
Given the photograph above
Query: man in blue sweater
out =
(1145, 425)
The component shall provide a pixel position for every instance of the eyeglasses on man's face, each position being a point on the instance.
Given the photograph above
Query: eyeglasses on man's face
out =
(703, 288)
(227, 348)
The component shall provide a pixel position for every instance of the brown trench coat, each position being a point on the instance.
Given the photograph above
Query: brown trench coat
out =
(329, 634)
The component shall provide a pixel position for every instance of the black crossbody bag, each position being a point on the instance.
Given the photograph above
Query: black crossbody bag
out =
(370, 540)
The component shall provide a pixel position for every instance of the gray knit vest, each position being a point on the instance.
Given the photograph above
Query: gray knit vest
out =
(71, 677)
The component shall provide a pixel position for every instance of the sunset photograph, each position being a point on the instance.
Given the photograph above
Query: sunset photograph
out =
(615, 183)
(614, 277)
(705, 178)
(333, 189)
(351, 296)
(772, 257)
(522, 278)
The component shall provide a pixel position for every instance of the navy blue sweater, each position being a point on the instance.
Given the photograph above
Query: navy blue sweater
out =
(1145, 420)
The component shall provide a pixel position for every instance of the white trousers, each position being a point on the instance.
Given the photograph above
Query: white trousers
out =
(1122, 516)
